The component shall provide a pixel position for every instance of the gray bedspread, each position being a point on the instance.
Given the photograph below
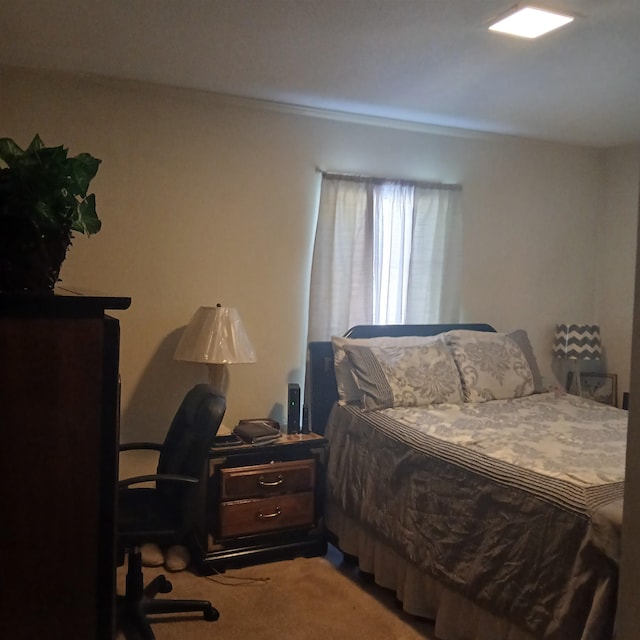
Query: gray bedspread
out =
(517, 504)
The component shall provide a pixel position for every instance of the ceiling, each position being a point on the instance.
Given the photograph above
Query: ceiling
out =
(424, 61)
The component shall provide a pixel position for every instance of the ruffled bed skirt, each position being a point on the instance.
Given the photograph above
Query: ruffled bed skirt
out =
(456, 617)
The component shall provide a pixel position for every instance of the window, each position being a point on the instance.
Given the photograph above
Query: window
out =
(386, 252)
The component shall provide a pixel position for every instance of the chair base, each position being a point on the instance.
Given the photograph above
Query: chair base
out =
(140, 601)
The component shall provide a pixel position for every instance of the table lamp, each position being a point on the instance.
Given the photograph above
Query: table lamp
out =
(216, 337)
(577, 342)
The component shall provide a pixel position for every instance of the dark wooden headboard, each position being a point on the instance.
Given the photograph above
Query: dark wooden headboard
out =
(322, 391)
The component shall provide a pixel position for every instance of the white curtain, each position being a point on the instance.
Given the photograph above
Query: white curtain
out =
(385, 253)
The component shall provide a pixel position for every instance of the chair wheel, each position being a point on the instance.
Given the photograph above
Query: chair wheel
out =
(211, 613)
(165, 586)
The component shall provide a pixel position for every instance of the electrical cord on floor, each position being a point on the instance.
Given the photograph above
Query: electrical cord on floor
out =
(233, 581)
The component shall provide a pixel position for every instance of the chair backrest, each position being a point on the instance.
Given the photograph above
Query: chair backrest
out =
(186, 446)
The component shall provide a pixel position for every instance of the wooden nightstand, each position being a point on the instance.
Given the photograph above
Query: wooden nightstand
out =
(263, 503)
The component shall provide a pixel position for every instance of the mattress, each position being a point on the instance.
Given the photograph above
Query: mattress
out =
(514, 504)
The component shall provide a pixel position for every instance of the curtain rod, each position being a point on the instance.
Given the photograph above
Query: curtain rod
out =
(377, 180)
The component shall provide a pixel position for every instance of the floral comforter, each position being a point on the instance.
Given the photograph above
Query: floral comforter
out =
(517, 504)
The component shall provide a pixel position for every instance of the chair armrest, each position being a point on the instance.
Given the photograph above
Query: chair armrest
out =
(131, 446)
(169, 477)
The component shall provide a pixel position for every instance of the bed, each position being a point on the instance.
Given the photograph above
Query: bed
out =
(488, 503)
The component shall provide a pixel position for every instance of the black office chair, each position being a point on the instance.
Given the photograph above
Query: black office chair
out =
(164, 514)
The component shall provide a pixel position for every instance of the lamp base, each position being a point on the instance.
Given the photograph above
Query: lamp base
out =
(576, 387)
(219, 382)
(218, 378)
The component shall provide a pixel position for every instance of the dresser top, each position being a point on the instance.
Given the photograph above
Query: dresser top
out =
(60, 302)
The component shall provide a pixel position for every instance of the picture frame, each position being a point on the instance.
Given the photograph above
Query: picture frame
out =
(601, 387)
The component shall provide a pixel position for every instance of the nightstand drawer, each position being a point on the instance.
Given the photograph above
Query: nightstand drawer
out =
(246, 517)
(267, 479)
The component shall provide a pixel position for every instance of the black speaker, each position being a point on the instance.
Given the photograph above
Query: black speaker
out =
(293, 411)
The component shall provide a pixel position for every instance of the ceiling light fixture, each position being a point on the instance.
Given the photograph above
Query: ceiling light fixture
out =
(529, 22)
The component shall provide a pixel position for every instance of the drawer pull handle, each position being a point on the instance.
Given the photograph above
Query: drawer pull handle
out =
(265, 516)
(265, 483)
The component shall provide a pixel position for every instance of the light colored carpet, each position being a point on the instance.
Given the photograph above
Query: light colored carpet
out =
(305, 598)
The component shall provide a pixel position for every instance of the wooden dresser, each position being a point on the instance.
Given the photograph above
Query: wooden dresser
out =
(59, 357)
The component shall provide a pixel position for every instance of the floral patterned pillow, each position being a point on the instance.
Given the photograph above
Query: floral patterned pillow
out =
(492, 366)
(405, 376)
(348, 392)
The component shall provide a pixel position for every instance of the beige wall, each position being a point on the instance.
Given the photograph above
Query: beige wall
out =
(206, 200)
(616, 259)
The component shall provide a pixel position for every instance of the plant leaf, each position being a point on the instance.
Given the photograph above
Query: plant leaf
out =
(35, 145)
(9, 150)
(82, 169)
(87, 221)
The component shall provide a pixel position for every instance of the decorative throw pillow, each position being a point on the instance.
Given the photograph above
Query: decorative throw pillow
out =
(348, 392)
(405, 376)
(491, 365)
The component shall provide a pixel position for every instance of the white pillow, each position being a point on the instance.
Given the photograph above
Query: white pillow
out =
(492, 366)
(348, 392)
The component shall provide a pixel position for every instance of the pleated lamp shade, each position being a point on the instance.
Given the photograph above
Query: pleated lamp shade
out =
(215, 335)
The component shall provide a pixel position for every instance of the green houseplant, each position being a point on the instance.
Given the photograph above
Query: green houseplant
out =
(43, 200)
